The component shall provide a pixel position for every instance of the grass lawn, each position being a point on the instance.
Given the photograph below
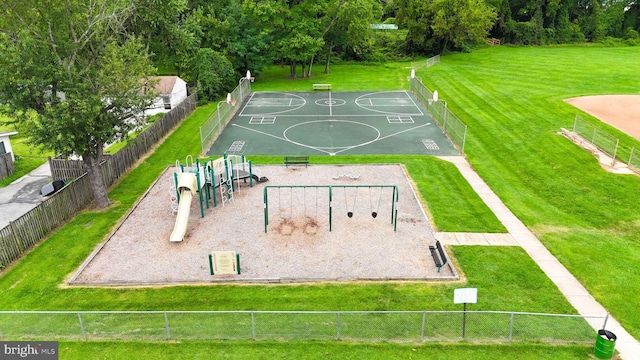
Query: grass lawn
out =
(511, 99)
(313, 350)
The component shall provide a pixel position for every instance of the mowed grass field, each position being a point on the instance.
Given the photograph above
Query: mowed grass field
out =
(507, 278)
(512, 101)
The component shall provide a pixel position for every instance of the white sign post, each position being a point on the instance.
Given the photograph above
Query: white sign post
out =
(465, 296)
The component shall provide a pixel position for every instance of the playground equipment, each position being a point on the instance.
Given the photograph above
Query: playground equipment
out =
(189, 179)
(225, 174)
(221, 175)
(331, 190)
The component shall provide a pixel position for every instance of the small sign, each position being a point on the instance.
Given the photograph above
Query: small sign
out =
(224, 262)
(465, 296)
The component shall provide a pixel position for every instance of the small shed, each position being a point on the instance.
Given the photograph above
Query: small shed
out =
(172, 91)
(5, 144)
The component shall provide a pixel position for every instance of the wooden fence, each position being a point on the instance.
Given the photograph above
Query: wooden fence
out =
(6, 166)
(114, 166)
(493, 41)
(23, 233)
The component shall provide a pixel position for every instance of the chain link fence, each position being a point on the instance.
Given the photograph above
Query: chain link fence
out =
(214, 125)
(453, 127)
(400, 326)
(606, 143)
(597, 137)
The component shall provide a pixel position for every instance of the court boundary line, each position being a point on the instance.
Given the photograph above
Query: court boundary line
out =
(304, 99)
(415, 106)
(293, 108)
(328, 152)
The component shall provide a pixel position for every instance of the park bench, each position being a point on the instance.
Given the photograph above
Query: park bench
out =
(296, 160)
(321, 86)
(438, 254)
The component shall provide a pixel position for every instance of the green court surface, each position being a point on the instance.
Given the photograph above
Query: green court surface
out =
(326, 123)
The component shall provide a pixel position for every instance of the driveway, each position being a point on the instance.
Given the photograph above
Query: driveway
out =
(22, 195)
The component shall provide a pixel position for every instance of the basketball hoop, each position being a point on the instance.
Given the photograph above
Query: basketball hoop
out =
(229, 100)
(249, 77)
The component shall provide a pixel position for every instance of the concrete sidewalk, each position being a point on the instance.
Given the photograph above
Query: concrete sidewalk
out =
(571, 288)
(22, 195)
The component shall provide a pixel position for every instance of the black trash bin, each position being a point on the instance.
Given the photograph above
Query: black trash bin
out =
(52, 187)
(605, 344)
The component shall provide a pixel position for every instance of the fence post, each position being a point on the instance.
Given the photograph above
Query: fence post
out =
(337, 326)
(615, 151)
(464, 139)
(424, 318)
(253, 326)
(84, 335)
(166, 324)
(511, 328)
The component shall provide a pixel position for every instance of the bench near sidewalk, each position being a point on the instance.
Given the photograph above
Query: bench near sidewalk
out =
(296, 160)
(438, 254)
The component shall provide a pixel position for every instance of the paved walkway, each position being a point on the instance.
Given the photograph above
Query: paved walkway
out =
(22, 195)
(571, 288)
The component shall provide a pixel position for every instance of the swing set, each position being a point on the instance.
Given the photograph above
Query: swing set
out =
(332, 190)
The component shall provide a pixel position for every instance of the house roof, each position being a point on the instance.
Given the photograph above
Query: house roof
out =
(8, 133)
(165, 84)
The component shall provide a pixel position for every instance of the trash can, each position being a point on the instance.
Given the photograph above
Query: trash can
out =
(605, 344)
(52, 187)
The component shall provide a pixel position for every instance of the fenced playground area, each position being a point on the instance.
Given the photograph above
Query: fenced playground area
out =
(308, 236)
(327, 123)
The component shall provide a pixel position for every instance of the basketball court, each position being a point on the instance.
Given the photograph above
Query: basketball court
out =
(327, 123)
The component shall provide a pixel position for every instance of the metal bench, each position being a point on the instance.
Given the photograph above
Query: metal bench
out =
(321, 86)
(296, 160)
(438, 254)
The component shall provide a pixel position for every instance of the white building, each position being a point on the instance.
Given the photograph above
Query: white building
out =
(172, 91)
(5, 144)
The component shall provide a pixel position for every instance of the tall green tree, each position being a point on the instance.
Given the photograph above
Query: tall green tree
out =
(72, 77)
(416, 16)
(348, 28)
(462, 23)
(214, 74)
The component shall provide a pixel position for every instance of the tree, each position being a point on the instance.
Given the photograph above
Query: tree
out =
(462, 22)
(416, 16)
(214, 74)
(72, 78)
(349, 27)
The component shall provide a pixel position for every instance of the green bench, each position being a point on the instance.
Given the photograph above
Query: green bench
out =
(321, 86)
(438, 254)
(296, 160)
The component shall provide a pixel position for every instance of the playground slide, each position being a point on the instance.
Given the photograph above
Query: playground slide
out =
(187, 185)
